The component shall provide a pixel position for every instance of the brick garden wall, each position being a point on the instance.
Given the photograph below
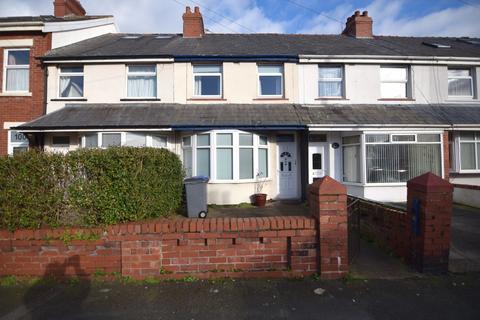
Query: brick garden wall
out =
(173, 248)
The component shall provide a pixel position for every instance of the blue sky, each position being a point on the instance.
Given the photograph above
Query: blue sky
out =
(391, 17)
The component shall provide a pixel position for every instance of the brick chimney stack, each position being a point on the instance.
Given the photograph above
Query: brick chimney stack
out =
(64, 8)
(359, 26)
(193, 23)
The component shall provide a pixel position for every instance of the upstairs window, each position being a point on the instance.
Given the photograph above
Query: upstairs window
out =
(16, 70)
(142, 81)
(330, 81)
(394, 82)
(71, 82)
(270, 79)
(460, 82)
(207, 80)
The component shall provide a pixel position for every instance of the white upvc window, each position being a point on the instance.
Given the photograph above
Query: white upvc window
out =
(207, 81)
(469, 151)
(330, 81)
(226, 156)
(17, 142)
(392, 158)
(394, 82)
(460, 82)
(70, 84)
(16, 70)
(270, 80)
(124, 139)
(141, 81)
(351, 159)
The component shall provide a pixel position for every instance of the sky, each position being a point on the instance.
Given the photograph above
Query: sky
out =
(391, 17)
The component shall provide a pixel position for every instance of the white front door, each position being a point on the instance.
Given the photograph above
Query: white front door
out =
(317, 161)
(287, 170)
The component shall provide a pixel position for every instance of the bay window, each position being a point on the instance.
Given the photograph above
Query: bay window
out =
(469, 151)
(16, 70)
(396, 158)
(226, 155)
(330, 81)
(394, 82)
(71, 82)
(207, 80)
(351, 159)
(270, 78)
(142, 81)
(460, 82)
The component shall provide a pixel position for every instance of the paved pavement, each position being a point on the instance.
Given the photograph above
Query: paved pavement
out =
(446, 297)
(465, 242)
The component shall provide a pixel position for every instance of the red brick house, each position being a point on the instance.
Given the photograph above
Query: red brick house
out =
(23, 40)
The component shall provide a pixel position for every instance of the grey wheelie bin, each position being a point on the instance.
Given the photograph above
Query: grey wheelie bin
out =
(196, 195)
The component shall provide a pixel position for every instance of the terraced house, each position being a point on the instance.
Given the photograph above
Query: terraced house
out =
(23, 41)
(370, 111)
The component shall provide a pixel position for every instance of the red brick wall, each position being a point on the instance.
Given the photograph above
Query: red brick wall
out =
(237, 247)
(21, 109)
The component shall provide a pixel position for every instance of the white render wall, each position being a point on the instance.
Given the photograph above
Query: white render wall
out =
(467, 197)
(65, 33)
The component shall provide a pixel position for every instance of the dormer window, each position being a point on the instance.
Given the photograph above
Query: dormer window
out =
(460, 82)
(71, 82)
(142, 81)
(207, 80)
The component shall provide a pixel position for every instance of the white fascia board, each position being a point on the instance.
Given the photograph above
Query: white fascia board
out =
(433, 60)
(102, 61)
(376, 127)
(98, 130)
(75, 25)
(5, 28)
(465, 127)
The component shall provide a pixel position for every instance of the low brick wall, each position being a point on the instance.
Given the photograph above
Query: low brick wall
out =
(388, 225)
(170, 248)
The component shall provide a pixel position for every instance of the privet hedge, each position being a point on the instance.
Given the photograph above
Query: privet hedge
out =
(88, 187)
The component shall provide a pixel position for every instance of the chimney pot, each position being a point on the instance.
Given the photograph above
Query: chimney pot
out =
(359, 26)
(197, 10)
(188, 10)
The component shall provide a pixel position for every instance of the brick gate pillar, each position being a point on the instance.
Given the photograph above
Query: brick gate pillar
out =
(328, 204)
(430, 207)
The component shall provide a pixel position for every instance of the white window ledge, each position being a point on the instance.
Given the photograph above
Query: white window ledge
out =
(15, 94)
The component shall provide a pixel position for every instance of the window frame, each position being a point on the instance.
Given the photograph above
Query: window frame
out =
(476, 143)
(282, 79)
(407, 82)
(6, 66)
(364, 152)
(152, 74)
(342, 81)
(11, 145)
(219, 74)
(236, 154)
(123, 138)
(70, 74)
(360, 144)
(470, 77)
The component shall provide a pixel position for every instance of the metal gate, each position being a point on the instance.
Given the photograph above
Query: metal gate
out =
(353, 210)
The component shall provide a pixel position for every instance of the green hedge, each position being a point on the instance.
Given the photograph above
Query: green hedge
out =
(88, 187)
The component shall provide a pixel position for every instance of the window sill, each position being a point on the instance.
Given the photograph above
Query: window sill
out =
(15, 94)
(396, 99)
(69, 99)
(331, 98)
(270, 99)
(237, 181)
(461, 99)
(206, 99)
(141, 99)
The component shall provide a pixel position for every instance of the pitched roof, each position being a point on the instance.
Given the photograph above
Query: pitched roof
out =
(273, 116)
(49, 18)
(242, 45)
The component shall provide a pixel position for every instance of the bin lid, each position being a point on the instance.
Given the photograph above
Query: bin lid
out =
(196, 179)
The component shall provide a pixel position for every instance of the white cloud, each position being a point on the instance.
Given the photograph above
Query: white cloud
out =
(246, 15)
